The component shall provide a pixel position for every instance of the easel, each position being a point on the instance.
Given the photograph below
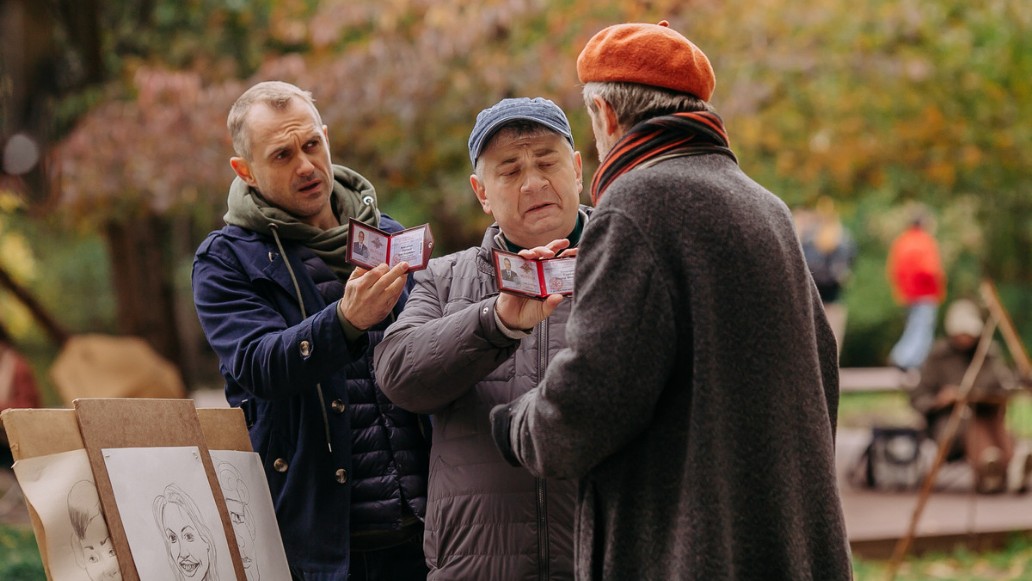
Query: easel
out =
(96, 424)
(998, 317)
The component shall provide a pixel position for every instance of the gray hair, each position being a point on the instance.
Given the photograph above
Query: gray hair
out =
(634, 103)
(275, 94)
(518, 128)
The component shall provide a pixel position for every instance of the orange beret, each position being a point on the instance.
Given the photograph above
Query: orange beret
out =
(647, 54)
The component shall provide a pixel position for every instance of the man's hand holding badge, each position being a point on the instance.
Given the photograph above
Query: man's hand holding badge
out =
(518, 307)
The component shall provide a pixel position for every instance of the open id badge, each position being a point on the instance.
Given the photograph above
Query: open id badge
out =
(533, 278)
(369, 247)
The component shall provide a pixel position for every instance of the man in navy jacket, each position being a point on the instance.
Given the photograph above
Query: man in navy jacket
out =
(294, 326)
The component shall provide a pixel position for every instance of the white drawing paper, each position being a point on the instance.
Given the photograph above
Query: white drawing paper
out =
(61, 490)
(169, 514)
(250, 508)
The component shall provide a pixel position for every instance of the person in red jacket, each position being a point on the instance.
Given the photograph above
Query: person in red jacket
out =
(918, 281)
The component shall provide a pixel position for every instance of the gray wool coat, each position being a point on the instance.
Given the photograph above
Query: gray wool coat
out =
(697, 398)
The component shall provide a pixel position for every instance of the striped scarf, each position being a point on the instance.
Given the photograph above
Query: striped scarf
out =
(676, 135)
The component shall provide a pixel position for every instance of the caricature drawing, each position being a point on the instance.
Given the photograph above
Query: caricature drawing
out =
(237, 501)
(91, 543)
(188, 541)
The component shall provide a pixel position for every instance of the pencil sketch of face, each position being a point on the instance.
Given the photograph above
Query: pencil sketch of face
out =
(187, 539)
(238, 498)
(91, 543)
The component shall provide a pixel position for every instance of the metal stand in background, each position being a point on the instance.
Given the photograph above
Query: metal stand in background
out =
(997, 316)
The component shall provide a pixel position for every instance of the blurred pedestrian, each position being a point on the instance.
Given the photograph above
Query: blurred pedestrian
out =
(982, 438)
(830, 252)
(697, 399)
(918, 281)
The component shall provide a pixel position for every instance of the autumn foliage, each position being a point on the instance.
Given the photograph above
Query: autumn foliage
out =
(887, 99)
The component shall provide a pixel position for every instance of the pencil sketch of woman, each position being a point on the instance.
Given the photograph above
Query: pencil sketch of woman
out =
(188, 541)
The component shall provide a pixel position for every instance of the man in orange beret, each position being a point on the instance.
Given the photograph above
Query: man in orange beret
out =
(697, 399)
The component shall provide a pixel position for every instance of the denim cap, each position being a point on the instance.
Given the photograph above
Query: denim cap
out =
(537, 110)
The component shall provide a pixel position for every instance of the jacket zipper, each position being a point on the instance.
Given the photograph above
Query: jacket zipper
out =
(539, 483)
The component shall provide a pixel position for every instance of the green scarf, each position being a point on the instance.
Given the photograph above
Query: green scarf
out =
(353, 197)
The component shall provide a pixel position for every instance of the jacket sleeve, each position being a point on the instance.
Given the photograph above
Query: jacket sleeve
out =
(924, 395)
(428, 359)
(594, 397)
(257, 348)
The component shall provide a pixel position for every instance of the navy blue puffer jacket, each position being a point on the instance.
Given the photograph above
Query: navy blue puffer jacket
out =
(342, 460)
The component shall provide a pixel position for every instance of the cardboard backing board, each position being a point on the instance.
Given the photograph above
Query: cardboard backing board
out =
(142, 423)
(41, 432)
(224, 429)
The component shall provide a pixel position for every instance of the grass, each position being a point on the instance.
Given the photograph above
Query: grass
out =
(1011, 563)
(19, 555)
(19, 561)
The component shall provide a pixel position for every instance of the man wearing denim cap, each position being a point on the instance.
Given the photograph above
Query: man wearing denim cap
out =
(460, 348)
(705, 444)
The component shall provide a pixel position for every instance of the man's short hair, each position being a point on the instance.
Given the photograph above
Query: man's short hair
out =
(634, 103)
(275, 94)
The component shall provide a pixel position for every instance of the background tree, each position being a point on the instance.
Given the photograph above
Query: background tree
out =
(876, 104)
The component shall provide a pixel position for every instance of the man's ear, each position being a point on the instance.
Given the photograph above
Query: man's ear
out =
(607, 115)
(243, 170)
(578, 168)
(481, 193)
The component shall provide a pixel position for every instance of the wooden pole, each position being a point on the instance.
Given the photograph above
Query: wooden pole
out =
(1014, 344)
(946, 441)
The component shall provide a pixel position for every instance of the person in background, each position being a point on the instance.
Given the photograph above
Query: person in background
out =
(18, 388)
(460, 347)
(830, 251)
(918, 281)
(294, 326)
(696, 401)
(982, 438)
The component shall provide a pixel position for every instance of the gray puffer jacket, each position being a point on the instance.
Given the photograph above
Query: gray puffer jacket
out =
(446, 355)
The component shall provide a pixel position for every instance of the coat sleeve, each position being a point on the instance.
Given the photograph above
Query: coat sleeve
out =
(594, 398)
(429, 359)
(257, 347)
(924, 395)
